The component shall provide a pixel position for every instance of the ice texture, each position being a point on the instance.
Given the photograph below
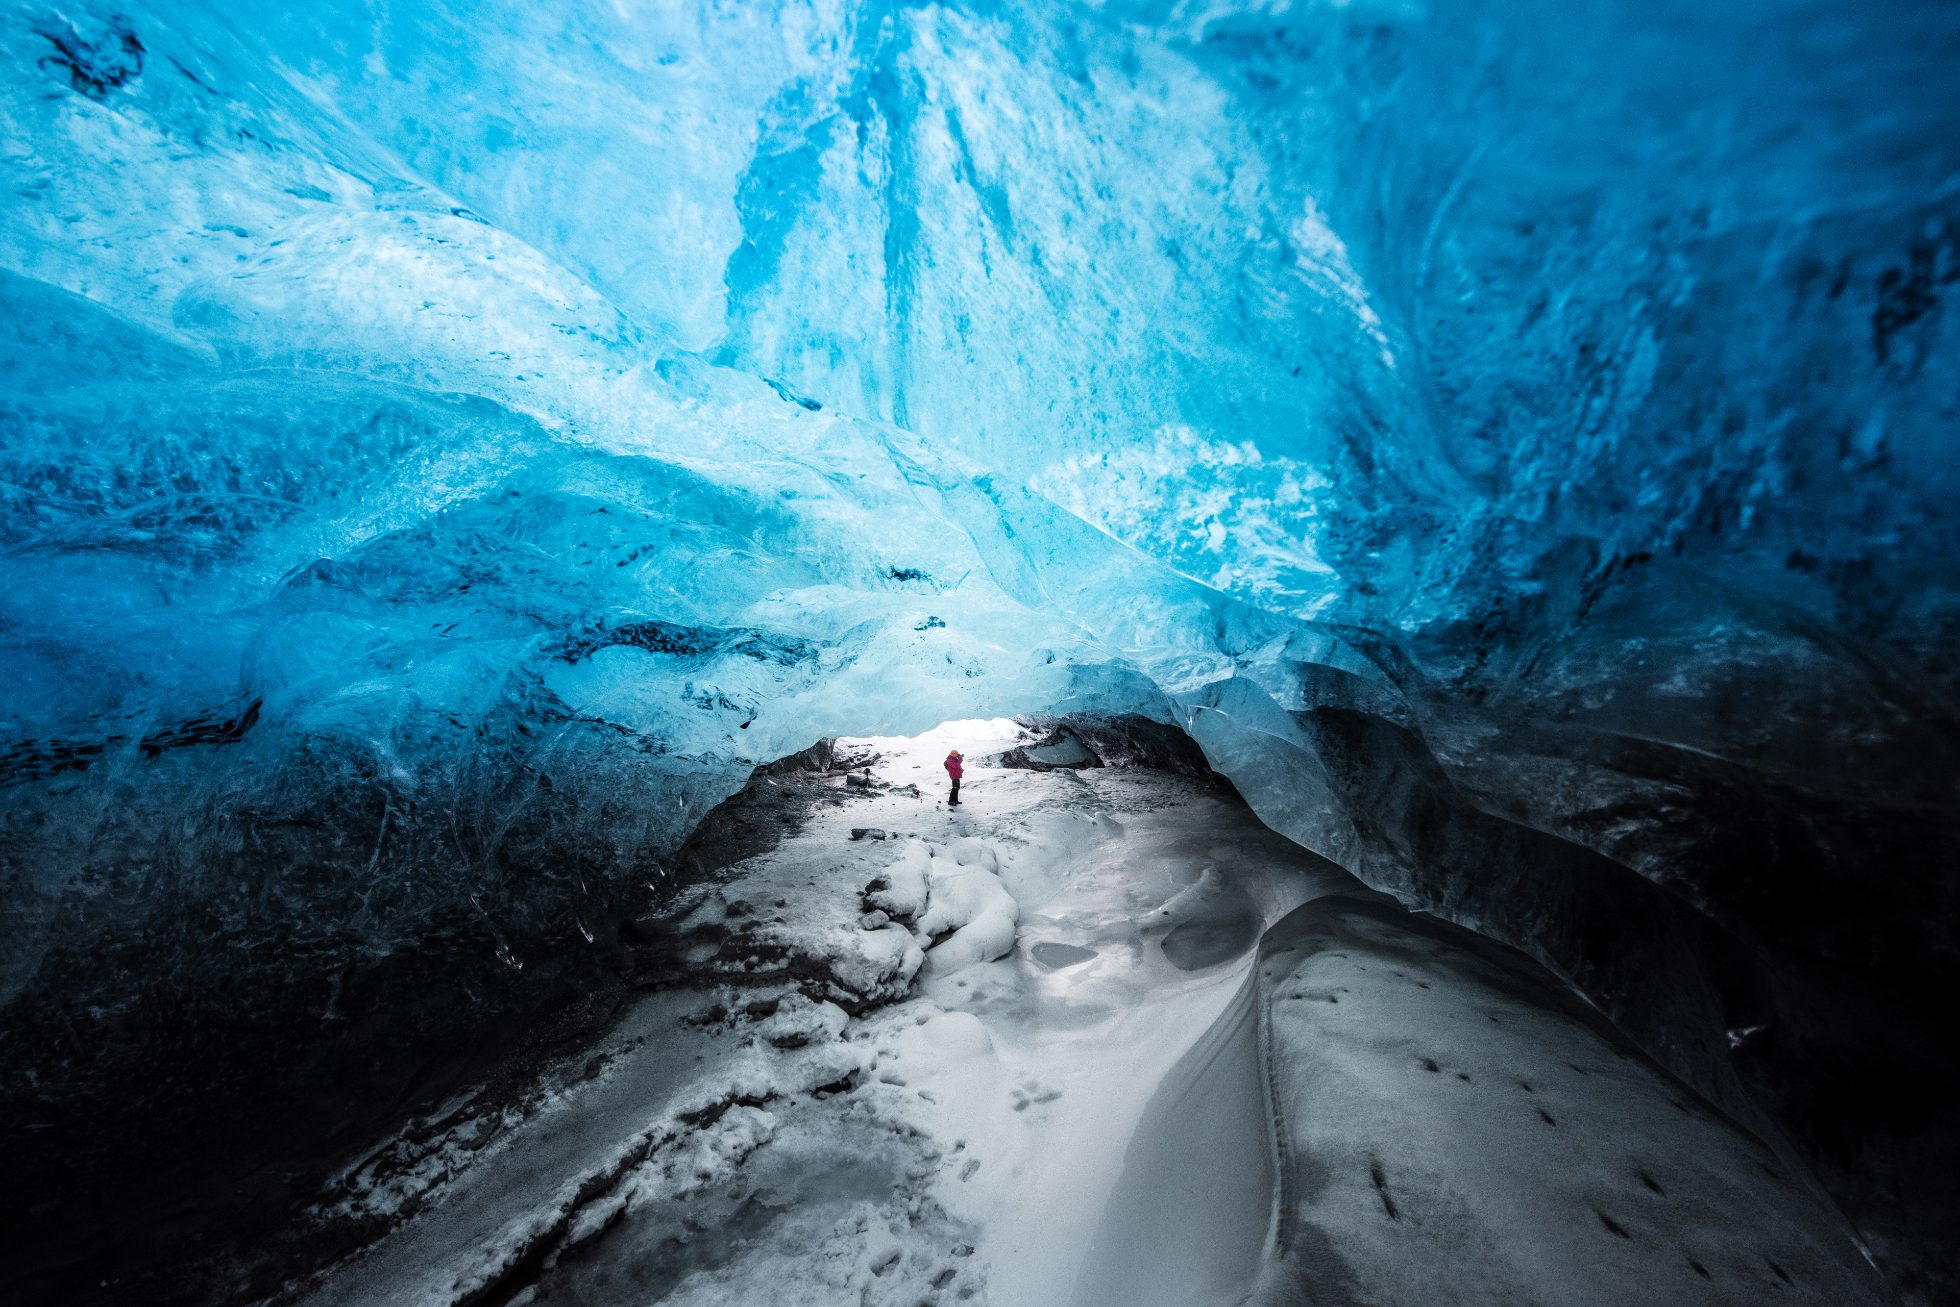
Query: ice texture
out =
(444, 447)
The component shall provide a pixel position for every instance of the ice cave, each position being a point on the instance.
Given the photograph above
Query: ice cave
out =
(1432, 528)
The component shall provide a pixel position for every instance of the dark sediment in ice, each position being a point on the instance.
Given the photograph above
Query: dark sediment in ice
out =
(168, 1142)
(1732, 837)
(352, 375)
(1454, 1126)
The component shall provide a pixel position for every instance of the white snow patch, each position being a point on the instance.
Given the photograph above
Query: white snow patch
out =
(957, 1144)
(904, 892)
(1195, 902)
(971, 902)
(882, 956)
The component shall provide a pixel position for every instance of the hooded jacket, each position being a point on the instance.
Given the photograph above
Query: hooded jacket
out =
(953, 767)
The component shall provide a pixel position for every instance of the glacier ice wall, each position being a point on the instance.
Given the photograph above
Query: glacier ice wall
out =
(445, 446)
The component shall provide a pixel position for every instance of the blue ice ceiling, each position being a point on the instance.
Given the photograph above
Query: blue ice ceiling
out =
(1315, 304)
(443, 446)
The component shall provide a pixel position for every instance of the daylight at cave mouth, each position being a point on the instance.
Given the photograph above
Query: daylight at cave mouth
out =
(1048, 653)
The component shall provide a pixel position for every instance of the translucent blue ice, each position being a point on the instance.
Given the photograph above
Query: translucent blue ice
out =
(455, 424)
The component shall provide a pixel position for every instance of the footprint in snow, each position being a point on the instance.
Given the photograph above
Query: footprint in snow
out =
(1033, 1093)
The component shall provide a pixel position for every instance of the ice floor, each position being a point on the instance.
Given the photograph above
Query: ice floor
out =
(1032, 1052)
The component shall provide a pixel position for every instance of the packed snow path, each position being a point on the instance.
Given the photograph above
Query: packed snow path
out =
(1032, 1051)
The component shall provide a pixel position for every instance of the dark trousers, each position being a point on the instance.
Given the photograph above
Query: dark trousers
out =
(956, 792)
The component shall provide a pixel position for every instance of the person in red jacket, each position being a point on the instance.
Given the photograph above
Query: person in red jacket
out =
(954, 770)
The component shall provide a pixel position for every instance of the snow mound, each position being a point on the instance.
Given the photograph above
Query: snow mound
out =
(902, 890)
(883, 961)
(972, 904)
(954, 900)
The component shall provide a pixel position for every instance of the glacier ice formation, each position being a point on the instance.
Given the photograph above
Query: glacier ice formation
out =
(444, 447)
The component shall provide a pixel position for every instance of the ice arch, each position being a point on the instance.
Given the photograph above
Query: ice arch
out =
(446, 446)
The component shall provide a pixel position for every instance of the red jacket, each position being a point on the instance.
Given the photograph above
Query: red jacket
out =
(953, 765)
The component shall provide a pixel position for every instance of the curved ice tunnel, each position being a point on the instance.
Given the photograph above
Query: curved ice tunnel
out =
(444, 451)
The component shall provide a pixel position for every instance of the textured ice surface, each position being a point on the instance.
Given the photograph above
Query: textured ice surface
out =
(1457, 1131)
(443, 447)
(663, 385)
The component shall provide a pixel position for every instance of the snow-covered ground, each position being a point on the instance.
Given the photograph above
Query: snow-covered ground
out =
(1453, 1131)
(1031, 1052)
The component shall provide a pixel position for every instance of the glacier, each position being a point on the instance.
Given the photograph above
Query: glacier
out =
(446, 448)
